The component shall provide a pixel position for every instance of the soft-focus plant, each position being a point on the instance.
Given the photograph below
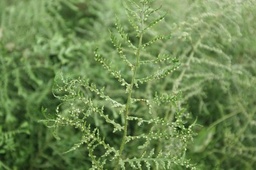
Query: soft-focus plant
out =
(132, 125)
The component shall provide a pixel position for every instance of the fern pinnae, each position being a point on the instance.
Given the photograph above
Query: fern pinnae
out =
(159, 74)
(156, 21)
(153, 41)
(97, 114)
(131, 18)
(92, 87)
(114, 73)
(123, 35)
(161, 58)
(119, 48)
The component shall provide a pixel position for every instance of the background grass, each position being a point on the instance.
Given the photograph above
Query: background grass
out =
(214, 41)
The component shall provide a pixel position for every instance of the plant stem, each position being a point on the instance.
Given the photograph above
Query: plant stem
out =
(130, 90)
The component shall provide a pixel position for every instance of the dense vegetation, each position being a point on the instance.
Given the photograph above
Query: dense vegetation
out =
(131, 84)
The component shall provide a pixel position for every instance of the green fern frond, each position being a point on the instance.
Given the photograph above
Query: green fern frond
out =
(159, 134)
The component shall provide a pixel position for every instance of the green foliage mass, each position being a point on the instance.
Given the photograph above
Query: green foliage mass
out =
(133, 84)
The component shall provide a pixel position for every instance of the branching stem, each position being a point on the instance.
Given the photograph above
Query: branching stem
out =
(130, 89)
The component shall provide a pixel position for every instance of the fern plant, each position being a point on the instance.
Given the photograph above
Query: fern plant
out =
(132, 125)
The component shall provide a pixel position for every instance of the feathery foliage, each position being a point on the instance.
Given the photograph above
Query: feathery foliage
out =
(113, 125)
(31, 50)
(125, 105)
(216, 77)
